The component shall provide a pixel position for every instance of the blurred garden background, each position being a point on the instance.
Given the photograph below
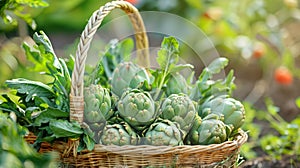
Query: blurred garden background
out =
(260, 38)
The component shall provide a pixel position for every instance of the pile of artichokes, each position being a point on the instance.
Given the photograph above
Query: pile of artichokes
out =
(134, 110)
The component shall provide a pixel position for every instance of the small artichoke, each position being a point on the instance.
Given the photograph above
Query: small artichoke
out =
(176, 84)
(179, 108)
(163, 132)
(118, 134)
(97, 104)
(232, 110)
(196, 124)
(137, 108)
(211, 131)
(126, 76)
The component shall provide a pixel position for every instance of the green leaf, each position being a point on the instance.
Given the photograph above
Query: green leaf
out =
(48, 114)
(45, 61)
(167, 58)
(168, 54)
(88, 140)
(63, 128)
(30, 88)
(7, 105)
(213, 68)
(217, 65)
(180, 67)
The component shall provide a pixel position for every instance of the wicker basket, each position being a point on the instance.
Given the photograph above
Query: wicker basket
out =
(215, 155)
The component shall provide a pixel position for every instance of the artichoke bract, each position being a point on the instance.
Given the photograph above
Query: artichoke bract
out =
(97, 104)
(163, 132)
(176, 84)
(232, 110)
(179, 108)
(126, 76)
(211, 131)
(137, 108)
(118, 134)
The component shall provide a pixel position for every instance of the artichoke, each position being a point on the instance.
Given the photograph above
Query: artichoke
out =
(163, 132)
(126, 76)
(97, 104)
(176, 84)
(137, 108)
(232, 110)
(211, 131)
(179, 108)
(118, 134)
(196, 124)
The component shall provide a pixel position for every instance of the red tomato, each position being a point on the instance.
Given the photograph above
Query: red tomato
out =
(133, 1)
(283, 76)
(259, 50)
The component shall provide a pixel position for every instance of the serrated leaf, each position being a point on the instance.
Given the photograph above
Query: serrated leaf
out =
(168, 54)
(30, 88)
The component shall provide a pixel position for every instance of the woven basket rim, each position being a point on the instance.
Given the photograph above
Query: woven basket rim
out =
(154, 150)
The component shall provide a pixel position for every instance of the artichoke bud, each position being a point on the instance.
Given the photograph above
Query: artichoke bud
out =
(137, 108)
(118, 134)
(128, 76)
(163, 132)
(232, 110)
(97, 104)
(179, 108)
(210, 131)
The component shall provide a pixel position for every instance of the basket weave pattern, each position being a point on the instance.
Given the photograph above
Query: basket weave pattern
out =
(215, 155)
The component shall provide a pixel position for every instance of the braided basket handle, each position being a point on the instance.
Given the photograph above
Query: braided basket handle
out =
(76, 95)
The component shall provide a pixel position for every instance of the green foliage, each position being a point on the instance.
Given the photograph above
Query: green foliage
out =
(167, 58)
(11, 10)
(282, 140)
(15, 151)
(287, 140)
(44, 108)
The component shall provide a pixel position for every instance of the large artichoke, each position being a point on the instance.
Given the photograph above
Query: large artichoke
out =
(97, 104)
(137, 108)
(163, 132)
(176, 84)
(118, 134)
(179, 108)
(126, 76)
(232, 110)
(211, 131)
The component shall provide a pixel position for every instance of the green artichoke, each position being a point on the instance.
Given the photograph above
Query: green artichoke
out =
(163, 132)
(196, 124)
(97, 104)
(176, 84)
(137, 108)
(179, 108)
(211, 131)
(118, 134)
(232, 110)
(126, 76)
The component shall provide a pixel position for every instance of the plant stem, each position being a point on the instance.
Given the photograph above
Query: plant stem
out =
(166, 69)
